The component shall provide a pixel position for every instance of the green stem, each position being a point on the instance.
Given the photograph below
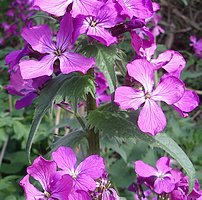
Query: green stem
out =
(93, 137)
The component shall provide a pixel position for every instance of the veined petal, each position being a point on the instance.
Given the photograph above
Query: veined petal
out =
(42, 170)
(64, 35)
(169, 90)
(142, 71)
(25, 101)
(151, 119)
(74, 62)
(33, 68)
(85, 7)
(92, 166)
(128, 97)
(102, 35)
(144, 170)
(139, 8)
(55, 7)
(65, 158)
(61, 189)
(188, 102)
(163, 165)
(171, 61)
(79, 194)
(107, 15)
(30, 191)
(163, 185)
(39, 37)
(84, 182)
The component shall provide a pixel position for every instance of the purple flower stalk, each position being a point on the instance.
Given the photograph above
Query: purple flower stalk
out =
(170, 90)
(40, 38)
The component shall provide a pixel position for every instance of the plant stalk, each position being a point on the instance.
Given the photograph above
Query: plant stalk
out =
(93, 137)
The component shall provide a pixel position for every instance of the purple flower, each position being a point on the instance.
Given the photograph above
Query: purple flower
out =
(101, 89)
(197, 45)
(142, 41)
(170, 90)
(59, 7)
(54, 186)
(104, 190)
(85, 174)
(27, 89)
(173, 62)
(136, 8)
(163, 181)
(96, 25)
(40, 38)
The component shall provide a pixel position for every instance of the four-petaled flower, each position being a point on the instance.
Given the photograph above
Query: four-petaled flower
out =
(160, 177)
(54, 185)
(170, 90)
(40, 38)
(85, 174)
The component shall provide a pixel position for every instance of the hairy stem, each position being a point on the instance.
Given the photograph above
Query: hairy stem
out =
(93, 137)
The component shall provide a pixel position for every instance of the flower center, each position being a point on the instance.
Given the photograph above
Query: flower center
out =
(147, 96)
(47, 194)
(58, 52)
(93, 23)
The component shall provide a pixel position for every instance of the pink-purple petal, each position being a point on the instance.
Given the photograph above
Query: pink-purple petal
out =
(128, 97)
(169, 90)
(85, 7)
(140, 8)
(39, 37)
(144, 170)
(163, 165)
(65, 158)
(79, 194)
(151, 119)
(142, 71)
(163, 185)
(74, 62)
(188, 102)
(33, 68)
(171, 61)
(61, 189)
(42, 170)
(84, 182)
(64, 35)
(93, 166)
(30, 191)
(102, 35)
(55, 7)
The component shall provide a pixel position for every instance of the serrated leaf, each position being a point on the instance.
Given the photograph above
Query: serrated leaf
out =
(105, 61)
(72, 87)
(119, 123)
(111, 123)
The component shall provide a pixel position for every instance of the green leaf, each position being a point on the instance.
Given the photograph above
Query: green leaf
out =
(106, 58)
(72, 139)
(45, 100)
(71, 87)
(111, 122)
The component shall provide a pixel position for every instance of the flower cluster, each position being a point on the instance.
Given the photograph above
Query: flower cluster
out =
(61, 179)
(163, 182)
(104, 21)
(18, 14)
(197, 45)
